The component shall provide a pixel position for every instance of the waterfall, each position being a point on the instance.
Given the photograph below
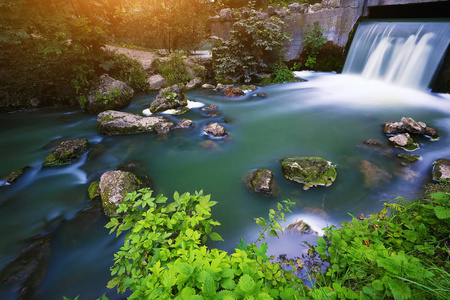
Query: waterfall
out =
(402, 53)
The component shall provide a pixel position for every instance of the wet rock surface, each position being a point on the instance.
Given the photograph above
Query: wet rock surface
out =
(441, 169)
(108, 93)
(261, 181)
(233, 91)
(15, 175)
(66, 152)
(169, 98)
(114, 186)
(311, 171)
(216, 130)
(116, 123)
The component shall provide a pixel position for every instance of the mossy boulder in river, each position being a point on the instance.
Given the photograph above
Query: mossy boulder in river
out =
(169, 98)
(66, 153)
(107, 93)
(311, 171)
(441, 169)
(261, 181)
(114, 186)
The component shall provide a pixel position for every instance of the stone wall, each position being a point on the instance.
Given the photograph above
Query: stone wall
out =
(337, 17)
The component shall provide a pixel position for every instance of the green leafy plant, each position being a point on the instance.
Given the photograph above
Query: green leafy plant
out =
(400, 252)
(164, 256)
(127, 70)
(312, 42)
(254, 45)
(281, 73)
(173, 70)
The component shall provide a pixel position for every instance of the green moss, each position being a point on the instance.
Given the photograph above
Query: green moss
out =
(65, 153)
(94, 190)
(408, 158)
(311, 171)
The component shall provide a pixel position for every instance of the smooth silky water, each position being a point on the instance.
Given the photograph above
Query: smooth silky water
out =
(328, 116)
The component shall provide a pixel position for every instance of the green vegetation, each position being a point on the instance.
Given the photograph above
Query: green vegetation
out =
(401, 252)
(173, 70)
(312, 42)
(171, 25)
(254, 46)
(281, 73)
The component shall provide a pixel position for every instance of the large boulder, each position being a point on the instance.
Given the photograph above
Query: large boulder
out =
(261, 181)
(114, 186)
(441, 169)
(116, 123)
(311, 171)
(410, 126)
(216, 130)
(373, 175)
(169, 98)
(66, 152)
(107, 93)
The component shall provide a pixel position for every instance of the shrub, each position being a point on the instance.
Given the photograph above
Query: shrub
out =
(255, 45)
(164, 256)
(281, 73)
(173, 70)
(312, 42)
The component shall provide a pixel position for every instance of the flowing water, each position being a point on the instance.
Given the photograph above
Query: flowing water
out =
(328, 116)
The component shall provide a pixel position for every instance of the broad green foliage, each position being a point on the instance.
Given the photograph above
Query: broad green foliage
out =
(164, 256)
(400, 252)
(312, 42)
(254, 46)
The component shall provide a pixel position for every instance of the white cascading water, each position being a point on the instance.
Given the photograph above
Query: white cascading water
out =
(401, 53)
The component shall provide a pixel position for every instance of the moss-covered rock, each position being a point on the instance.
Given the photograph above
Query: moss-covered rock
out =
(106, 94)
(261, 181)
(13, 176)
(66, 153)
(169, 98)
(311, 171)
(114, 186)
(441, 169)
(408, 158)
(94, 190)
(404, 141)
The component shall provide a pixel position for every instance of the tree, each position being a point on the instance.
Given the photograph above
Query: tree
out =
(175, 24)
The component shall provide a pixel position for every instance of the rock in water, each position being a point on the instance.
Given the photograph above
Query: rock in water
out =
(114, 186)
(216, 130)
(113, 122)
(404, 141)
(441, 169)
(373, 175)
(232, 92)
(261, 181)
(311, 171)
(66, 153)
(169, 98)
(107, 93)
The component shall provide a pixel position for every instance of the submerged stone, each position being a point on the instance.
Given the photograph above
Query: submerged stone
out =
(311, 171)
(216, 130)
(261, 181)
(184, 124)
(441, 169)
(408, 158)
(373, 175)
(66, 153)
(114, 186)
(301, 227)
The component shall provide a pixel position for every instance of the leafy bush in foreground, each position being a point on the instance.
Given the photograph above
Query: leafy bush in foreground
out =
(401, 252)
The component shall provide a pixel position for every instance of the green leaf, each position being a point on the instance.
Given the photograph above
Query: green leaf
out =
(215, 236)
(185, 269)
(209, 287)
(228, 284)
(442, 212)
(399, 289)
(246, 284)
